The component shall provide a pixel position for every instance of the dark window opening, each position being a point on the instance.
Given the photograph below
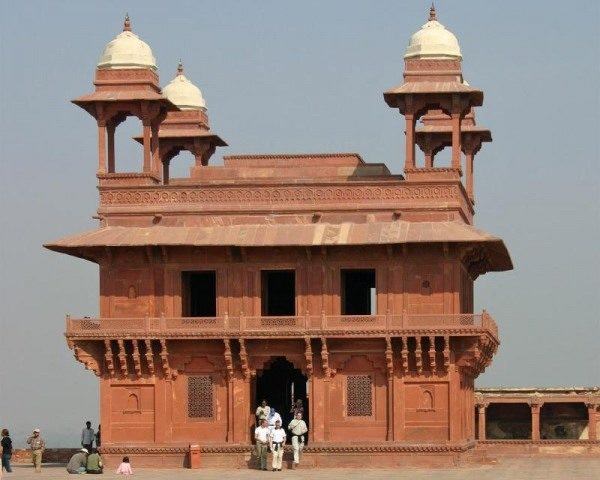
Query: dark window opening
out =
(278, 292)
(508, 421)
(199, 294)
(359, 293)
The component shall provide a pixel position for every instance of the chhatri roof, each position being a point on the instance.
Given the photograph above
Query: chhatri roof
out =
(433, 40)
(183, 93)
(316, 234)
(127, 51)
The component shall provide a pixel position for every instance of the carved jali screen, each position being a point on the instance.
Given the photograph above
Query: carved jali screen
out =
(359, 393)
(200, 397)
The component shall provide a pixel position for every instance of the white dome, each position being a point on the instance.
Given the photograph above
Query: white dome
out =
(433, 41)
(127, 50)
(183, 93)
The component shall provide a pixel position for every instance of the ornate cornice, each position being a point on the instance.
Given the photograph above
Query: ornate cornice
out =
(261, 194)
(379, 333)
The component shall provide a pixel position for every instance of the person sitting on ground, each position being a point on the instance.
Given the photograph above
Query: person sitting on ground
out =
(78, 462)
(125, 467)
(94, 462)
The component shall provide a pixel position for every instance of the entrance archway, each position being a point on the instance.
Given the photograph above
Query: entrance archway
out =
(281, 384)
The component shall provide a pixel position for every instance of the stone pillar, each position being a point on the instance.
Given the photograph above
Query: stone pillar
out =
(110, 130)
(481, 408)
(101, 147)
(147, 147)
(535, 421)
(410, 141)
(592, 421)
(469, 173)
(154, 147)
(456, 143)
(165, 168)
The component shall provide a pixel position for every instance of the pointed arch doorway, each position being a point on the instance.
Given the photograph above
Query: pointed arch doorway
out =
(281, 384)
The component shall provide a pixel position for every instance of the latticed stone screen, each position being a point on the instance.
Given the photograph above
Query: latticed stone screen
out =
(359, 393)
(200, 397)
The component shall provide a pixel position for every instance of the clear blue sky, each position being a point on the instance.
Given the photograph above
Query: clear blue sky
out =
(282, 76)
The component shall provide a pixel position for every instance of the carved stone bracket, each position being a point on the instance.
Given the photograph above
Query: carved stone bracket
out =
(308, 355)
(329, 372)
(149, 356)
(87, 359)
(446, 352)
(389, 357)
(108, 358)
(418, 356)
(431, 353)
(228, 359)
(244, 360)
(137, 365)
(404, 355)
(122, 357)
(164, 356)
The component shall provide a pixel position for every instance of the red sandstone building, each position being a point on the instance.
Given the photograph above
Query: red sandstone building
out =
(316, 276)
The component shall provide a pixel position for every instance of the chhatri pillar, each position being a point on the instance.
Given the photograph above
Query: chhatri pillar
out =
(185, 129)
(126, 85)
(433, 84)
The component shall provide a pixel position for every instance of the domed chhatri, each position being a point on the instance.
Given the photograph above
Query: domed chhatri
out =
(433, 41)
(128, 51)
(183, 93)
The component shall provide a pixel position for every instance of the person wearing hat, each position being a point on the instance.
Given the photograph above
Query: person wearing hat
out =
(37, 445)
(78, 462)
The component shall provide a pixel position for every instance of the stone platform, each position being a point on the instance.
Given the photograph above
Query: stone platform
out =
(507, 469)
(364, 455)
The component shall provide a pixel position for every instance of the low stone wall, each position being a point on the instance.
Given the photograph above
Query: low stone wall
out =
(51, 455)
(514, 448)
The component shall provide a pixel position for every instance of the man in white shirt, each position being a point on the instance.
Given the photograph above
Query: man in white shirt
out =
(262, 437)
(273, 418)
(298, 429)
(277, 443)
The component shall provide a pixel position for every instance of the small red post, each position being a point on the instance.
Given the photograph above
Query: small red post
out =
(194, 456)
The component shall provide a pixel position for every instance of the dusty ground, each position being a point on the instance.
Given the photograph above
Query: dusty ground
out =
(506, 469)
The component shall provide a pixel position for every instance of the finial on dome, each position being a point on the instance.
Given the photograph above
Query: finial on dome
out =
(180, 68)
(432, 13)
(127, 24)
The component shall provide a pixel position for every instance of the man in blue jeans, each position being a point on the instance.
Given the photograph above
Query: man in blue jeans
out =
(6, 450)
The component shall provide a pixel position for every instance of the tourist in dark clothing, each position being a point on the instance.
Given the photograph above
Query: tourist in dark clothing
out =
(98, 439)
(6, 450)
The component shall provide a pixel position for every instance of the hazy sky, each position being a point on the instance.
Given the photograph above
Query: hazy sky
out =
(283, 76)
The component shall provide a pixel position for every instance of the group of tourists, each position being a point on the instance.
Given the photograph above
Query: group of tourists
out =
(36, 445)
(270, 435)
(86, 460)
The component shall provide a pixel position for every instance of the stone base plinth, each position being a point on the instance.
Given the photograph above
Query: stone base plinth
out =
(332, 455)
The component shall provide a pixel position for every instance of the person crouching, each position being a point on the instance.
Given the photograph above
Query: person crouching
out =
(78, 462)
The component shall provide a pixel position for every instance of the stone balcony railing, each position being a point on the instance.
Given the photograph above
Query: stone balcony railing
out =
(301, 325)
